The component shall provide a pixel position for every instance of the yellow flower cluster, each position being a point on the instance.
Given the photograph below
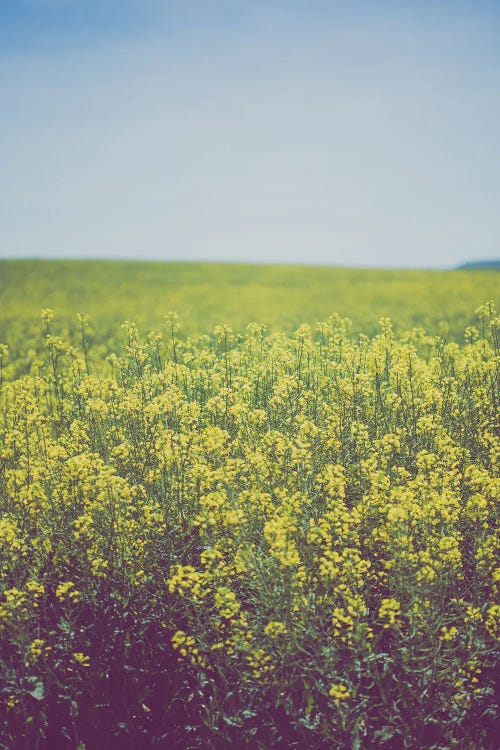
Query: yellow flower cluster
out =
(81, 659)
(275, 628)
(66, 592)
(389, 611)
(339, 693)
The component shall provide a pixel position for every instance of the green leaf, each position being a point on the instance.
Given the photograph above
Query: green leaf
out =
(384, 734)
(38, 691)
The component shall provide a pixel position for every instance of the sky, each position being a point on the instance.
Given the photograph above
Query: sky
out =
(286, 131)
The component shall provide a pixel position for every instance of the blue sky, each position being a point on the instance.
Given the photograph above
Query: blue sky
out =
(353, 133)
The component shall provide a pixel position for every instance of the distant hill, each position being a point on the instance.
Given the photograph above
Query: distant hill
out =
(480, 265)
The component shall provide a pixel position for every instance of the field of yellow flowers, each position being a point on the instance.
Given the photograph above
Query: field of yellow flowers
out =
(250, 539)
(208, 294)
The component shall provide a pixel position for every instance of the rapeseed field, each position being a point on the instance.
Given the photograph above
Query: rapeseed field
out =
(248, 529)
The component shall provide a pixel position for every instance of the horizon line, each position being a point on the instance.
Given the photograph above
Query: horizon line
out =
(485, 263)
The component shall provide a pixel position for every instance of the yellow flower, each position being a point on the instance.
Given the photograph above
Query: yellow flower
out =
(339, 693)
(36, 649)
(389, 610)
(275, 628)
(81, 659)
(448, 634)
(67, 591)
